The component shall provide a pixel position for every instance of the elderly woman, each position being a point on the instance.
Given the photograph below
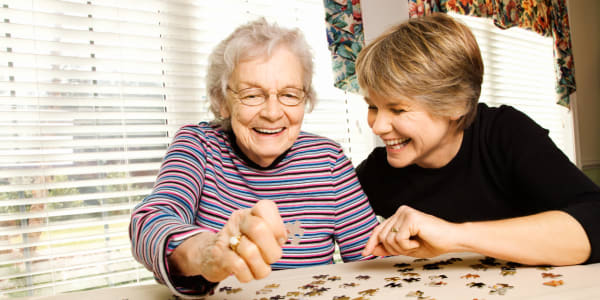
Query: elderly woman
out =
(461, 176)
(230, 192)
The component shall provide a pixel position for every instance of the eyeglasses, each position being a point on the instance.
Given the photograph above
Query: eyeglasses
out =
(258, 96)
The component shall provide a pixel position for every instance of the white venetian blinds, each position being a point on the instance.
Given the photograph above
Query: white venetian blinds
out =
(91, 93)
(519, 71)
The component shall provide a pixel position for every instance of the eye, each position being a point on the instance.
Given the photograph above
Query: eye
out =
(397, 111)
(372, 107)
(289, 95)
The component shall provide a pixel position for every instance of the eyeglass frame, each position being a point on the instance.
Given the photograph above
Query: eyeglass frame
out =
(266, 95)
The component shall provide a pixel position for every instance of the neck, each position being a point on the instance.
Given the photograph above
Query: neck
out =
(445, 152)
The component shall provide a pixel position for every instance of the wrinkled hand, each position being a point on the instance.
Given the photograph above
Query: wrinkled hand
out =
(209, 255)
(412, 233)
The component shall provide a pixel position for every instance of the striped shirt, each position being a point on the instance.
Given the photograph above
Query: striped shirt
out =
(204, 178)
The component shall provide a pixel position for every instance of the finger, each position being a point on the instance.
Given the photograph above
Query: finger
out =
(259, 233)
(251, 254)
(389, 234)
(372, 242)
(268, 211)
(232, 227)
(237, 266)
(403, 239)
(379, 250)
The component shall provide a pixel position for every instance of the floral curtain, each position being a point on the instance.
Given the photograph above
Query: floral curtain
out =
(345, 38)
(547, 17)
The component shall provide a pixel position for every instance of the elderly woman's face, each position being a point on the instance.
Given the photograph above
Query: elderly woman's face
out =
(265, 131)
(413, 135)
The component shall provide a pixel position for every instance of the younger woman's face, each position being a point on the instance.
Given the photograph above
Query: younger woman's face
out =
(412, 135)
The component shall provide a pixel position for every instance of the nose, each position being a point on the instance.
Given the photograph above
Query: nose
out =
(272, 108)
(381, 123)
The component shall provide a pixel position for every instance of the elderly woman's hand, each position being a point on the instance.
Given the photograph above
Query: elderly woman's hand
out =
(413, 233)
(261, 234)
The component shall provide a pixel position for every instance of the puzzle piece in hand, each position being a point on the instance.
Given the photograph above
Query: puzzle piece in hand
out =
(295, 231)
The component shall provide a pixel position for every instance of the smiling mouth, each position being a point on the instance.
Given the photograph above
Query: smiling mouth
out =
(269, 131)
(397, 143)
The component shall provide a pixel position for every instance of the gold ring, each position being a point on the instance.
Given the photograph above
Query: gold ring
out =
(394, 229)
(234, 242)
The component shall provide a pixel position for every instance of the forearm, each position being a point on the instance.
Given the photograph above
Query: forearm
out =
(552, 237)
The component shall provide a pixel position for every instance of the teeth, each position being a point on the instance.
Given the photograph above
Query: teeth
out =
(395, 141)
(269, 131)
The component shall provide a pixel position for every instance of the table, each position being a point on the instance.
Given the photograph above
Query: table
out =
(450, 276)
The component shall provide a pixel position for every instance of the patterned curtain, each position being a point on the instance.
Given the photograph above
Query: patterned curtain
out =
(547, 17)
(345, 38)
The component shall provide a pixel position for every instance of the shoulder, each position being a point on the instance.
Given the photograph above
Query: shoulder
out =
(504, 116)
(506, 123)
(310, 142)
(375, 162)
(202, 133)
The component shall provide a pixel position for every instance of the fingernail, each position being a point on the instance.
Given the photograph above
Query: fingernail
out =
(282, 241)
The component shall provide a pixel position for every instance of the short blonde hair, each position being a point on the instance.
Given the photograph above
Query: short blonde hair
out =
(433, 59)
(254, 40)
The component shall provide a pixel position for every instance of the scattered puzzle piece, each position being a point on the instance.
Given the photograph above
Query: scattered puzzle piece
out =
(545, 267)
(393, 285)
(476, 284)
(489, 261)
(437, 283)
(394, 279)
(308, 287)
(415, 294)
(434, 266)
(369, 292)
(551, 275)
(479, 267)
(500, 288)
(402, 265)
(469, 275)
(554, 283)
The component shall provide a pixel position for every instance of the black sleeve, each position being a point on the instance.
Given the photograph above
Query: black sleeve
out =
(546, 177)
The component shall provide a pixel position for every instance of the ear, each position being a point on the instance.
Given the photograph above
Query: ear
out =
(456, 116)
(224, 110)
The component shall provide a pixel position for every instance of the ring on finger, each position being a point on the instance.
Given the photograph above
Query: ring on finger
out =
(234, 242)
(394, 229)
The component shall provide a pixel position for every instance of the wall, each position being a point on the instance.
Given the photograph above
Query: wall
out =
(585, 39)
(379, 15)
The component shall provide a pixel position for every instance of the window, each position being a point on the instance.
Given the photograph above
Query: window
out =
(519, 71)
(91, 93)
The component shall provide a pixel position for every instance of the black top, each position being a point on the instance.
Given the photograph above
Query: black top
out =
(507, 166)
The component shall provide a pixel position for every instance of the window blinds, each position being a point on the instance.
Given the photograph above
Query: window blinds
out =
(519, 71)
(91, 93)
